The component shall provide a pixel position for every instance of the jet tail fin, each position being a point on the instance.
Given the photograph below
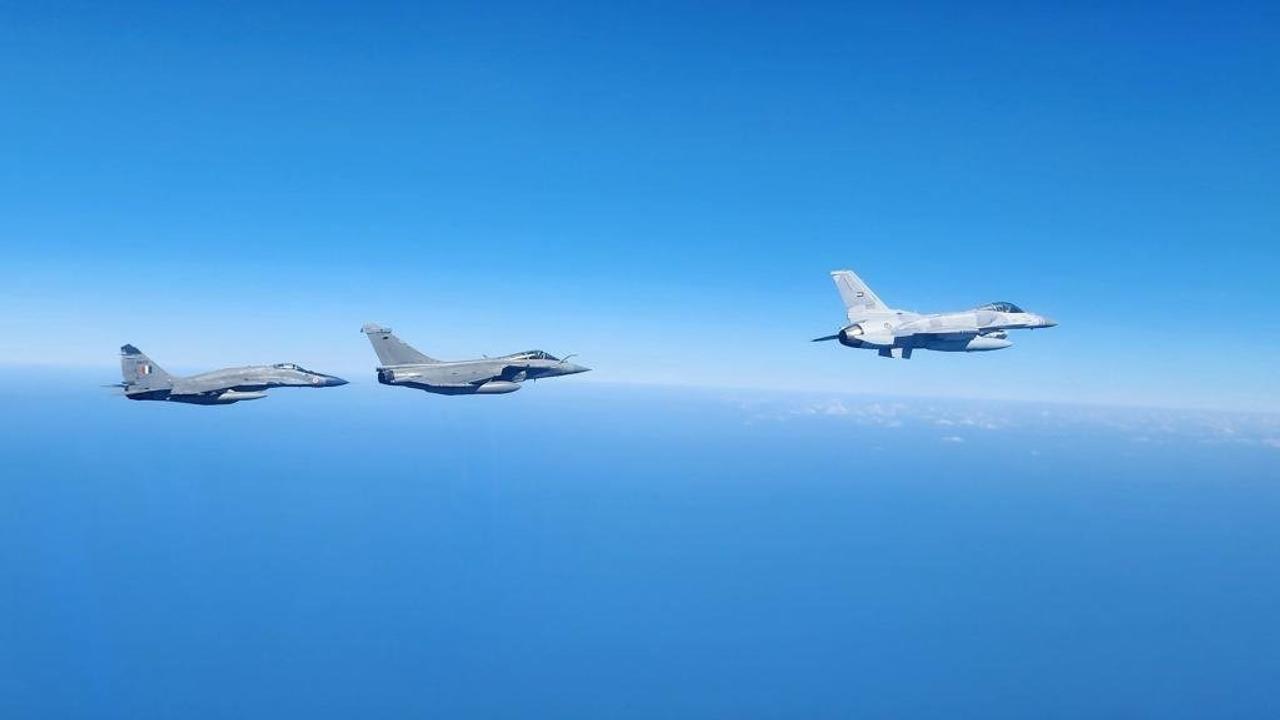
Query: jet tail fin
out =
(391, 349)
(859, 299)
(141, 372)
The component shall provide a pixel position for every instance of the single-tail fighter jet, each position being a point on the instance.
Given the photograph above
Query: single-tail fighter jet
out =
(895, 333)
(144, 380)
(404, 366)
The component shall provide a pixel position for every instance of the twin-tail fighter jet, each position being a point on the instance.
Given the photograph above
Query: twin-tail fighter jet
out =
(144, 380)
(895, 333)
(404, 366)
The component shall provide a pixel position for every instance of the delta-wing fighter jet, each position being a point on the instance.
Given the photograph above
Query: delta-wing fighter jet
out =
(144, 380)
(895, 333)
(402, 365)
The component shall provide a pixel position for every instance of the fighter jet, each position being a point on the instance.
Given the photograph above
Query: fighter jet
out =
(895, 333)
(404, 366)
(144, 380)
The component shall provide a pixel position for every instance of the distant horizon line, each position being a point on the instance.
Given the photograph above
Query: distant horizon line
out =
(357, 378)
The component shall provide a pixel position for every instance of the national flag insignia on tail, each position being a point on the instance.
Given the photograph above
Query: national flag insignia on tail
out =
(144, 369)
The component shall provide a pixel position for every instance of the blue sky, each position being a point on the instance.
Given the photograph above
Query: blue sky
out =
(660, 188)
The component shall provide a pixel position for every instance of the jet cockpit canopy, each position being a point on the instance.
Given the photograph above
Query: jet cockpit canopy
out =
(534, 355)
(1002, 306)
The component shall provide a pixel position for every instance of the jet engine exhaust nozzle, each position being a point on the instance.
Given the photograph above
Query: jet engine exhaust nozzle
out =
(849, 336)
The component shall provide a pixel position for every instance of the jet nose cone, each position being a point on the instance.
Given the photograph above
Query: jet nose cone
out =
(332, 381)
(1048, 322)
(571, 369)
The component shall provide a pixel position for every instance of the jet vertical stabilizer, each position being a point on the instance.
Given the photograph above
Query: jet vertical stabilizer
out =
(140, 372)
(392, 350)
(859, 300)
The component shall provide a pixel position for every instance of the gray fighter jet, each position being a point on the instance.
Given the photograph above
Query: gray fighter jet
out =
(895, 333)
(404, 366)
(144, 380)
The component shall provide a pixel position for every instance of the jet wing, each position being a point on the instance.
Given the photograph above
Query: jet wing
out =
(944, 335)
(937, 328)
(197, 385)
(457, 374)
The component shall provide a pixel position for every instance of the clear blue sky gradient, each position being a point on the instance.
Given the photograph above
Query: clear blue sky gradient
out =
(661, 188)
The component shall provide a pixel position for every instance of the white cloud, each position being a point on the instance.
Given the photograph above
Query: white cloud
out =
(1145, 426)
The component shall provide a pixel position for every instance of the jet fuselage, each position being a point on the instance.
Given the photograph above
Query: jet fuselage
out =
(896, 333)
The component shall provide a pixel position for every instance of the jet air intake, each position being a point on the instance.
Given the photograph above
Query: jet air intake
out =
(387, 376)
(983, 343)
